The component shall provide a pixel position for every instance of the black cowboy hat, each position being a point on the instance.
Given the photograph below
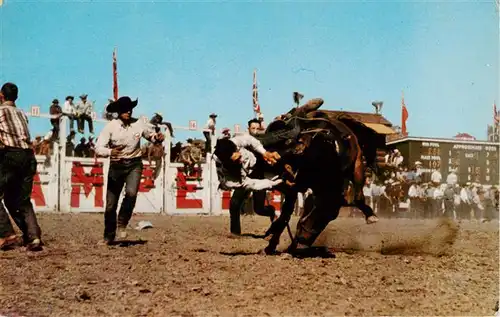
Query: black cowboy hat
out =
(55, 101)
(70, 97)
(123, 104)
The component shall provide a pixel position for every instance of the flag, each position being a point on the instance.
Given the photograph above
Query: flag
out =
(496, 114)
(115, 76)
(404, 115)
(255, 94)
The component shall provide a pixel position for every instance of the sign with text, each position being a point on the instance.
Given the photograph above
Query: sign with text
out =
(35, 111)
(193, 125)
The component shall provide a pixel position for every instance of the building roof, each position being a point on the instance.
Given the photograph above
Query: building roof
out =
(363, 117)
(443, 140)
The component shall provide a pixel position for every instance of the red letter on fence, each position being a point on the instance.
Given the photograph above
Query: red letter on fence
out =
(37, 192)
(226, 199)
(79, 179)
(147, 182)
(182, 202)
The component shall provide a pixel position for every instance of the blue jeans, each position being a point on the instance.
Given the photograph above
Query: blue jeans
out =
(125, 172)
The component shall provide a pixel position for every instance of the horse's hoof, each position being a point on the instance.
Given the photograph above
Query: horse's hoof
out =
(269, 251)
(371, 219)
(313, 252)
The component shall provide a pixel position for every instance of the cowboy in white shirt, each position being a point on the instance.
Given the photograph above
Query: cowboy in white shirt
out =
(120, 141)
(235, 163)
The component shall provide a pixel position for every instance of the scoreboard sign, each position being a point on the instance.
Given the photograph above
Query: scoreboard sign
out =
(475, 161)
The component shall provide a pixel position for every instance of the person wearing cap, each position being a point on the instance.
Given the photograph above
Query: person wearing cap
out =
(211, 122)
(120, 141)
(84, 113)
(81, 148)
(55, 112)
(70, 111)
(226, 133)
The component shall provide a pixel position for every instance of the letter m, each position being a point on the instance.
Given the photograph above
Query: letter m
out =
(80, 180)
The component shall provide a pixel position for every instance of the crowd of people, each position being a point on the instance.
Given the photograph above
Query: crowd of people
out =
(404, 187)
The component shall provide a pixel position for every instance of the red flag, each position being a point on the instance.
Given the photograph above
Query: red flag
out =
(404, 115)
(496, 114)
(115, 77)
(255, 94)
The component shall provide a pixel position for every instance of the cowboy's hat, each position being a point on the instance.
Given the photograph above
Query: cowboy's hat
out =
(70, 97)
(213, 115)
(55, 101)
(123, 104)
(83, 96)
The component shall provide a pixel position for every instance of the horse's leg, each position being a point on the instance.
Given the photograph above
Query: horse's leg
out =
(279, 225)
(314, 221)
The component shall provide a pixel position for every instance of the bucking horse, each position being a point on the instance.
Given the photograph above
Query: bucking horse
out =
(319, 153)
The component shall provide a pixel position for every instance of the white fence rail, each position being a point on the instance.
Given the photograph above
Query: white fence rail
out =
(73, 184)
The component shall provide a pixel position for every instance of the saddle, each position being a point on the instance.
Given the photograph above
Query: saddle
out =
(294, 134)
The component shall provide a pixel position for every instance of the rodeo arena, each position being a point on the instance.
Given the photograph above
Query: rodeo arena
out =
(314, 212)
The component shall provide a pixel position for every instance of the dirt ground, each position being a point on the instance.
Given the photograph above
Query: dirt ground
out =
(191, 267)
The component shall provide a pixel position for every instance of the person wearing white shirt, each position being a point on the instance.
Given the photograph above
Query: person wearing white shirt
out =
(69, 110)
(120, 141)
(367, 192)
(452, 178)
(436, 177)
(413, 196)
(398, 158)
(235, 165)
(240, 194)
(210, 125)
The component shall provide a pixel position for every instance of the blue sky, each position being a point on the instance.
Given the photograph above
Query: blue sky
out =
(187, 59)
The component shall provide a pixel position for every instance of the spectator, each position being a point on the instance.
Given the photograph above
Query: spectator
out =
(90, 147)
(70, 111)
(84, 113)
(226, 133)
(55, 110)
(70, 144)
(80, 149)
(209, 134)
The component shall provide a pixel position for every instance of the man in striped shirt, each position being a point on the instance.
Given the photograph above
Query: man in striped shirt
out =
(17, 169)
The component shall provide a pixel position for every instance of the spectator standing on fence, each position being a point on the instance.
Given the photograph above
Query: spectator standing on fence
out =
(120, 140)
(80, 148)
(17, 170)
(55, 112)
(70, 112)
(210, 134)
(70, 144)
(90, 147)
(84, 113)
